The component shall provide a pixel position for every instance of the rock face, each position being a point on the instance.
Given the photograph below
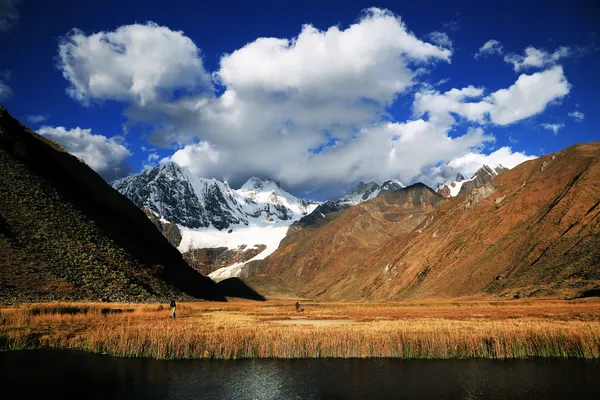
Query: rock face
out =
(367, 191)
(483, 176)
(209, 260)
(362, 192)
(461, 185)
(168, 229)
(479, 194)
(65, 234)
(504, 239)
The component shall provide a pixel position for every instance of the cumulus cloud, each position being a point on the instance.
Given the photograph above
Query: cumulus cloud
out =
(489, 48)
(536, 58)
(9, 14)
(309, 111)
(136, 63)
(36, 118)
(528, 96)
(553, 127)
(368, 60)
(104, 155)
(577, 116)
(441, 106)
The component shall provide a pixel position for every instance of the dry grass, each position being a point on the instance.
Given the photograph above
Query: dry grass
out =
(516, 329)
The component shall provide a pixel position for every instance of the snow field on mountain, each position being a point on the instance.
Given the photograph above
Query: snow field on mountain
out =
(455, 189)
(269, 235)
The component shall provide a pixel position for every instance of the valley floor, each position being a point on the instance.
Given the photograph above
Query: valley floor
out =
(273, 329)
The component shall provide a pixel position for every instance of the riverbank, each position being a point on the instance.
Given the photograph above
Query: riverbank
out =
(465, 329)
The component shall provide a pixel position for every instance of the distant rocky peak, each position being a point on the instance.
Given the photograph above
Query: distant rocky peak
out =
(391, 185)
(367, 190)
(364, 185)
(462, 185)
(489, 170)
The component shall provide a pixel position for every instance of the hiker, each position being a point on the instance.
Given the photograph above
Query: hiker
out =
(173, 305)
(297, 307)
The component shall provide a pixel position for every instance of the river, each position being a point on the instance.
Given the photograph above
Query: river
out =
(49, 374)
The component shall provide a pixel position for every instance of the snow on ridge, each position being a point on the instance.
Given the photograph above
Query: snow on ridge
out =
(455, 186)
(268, 234)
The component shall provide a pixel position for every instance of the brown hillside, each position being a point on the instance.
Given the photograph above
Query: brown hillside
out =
(65, 234)
(327, 259)
(532, 231)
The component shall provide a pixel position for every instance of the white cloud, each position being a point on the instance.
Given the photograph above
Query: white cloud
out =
(553, 127)
(489, 48)
(577, 116)
(468, 164)
(528, 96)
(36, 118)
(440, 106)
(441, 39)
(5, 91)
(9, 14)
(536, 58)
(368, 60)
(136, 63)
(200, 158)
(104, 155)
(309, 111)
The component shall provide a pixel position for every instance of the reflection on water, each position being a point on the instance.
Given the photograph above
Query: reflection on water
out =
(55, 374)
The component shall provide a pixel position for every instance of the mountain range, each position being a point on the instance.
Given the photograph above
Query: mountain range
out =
(66, 234)
(533, 231)
(217, 227)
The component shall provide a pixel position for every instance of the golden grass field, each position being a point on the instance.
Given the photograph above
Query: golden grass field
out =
(273, 329)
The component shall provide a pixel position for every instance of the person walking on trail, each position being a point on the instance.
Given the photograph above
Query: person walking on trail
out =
(173, 305)
(297, 307)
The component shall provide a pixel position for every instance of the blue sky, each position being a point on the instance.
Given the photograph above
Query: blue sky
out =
(372, 99)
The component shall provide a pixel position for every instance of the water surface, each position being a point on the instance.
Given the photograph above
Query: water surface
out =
(47, 374)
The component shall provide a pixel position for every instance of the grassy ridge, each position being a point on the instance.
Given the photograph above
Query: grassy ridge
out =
(65, 234)
(245, 330)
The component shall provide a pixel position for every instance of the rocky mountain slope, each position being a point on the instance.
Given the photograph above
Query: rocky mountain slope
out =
(533, 231)
(461, 185)
(203, 217)
(65, 234)
(362, 192)
(175, 195)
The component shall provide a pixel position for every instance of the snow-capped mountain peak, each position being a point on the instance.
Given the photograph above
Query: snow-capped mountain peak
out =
(391, 185)
(178, 196)
(461, 185)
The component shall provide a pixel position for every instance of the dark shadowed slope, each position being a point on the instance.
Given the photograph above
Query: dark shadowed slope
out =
(66, 234)
(533, 231)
